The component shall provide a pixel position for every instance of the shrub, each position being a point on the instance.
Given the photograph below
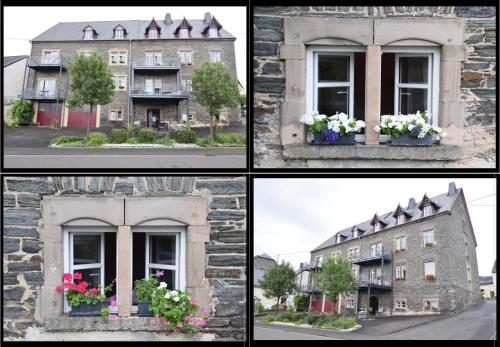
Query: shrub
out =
(54, 125)
(287, 317)
(22, 111)
(312, 319)
(270, 319)
(132, 141)
(167, 141)
(230, 139)
(118, 136)
(260, 308)
(206, 141)
(301, 302)
(185, 136)
(66, 139)
(132, 131)
(97, 139)
(147, 135)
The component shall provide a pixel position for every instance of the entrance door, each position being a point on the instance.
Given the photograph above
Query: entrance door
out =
(78, 117)
(373, 304)
(49, 113)
(153, 117)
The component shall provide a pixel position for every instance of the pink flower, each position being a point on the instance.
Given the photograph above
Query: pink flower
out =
(194, 302)
(159, 273)
(67, 285)
(59, 289)
(67, 277)
(112, 303)
(204, 310)
(93, 291)
(77, 276)
(112, 317)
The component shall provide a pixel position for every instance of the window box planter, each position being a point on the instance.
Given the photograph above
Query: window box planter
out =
(430, 277)
(85, 309)
(429, 244)
(410, 140)
(346, 140)
(143, 309)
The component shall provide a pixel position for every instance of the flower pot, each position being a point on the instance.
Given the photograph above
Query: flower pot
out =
(346, 140)
(86, 310)
(410, 140)
(143, 309)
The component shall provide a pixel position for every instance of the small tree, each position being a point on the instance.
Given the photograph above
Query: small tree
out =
(279, 280)
(91, 83)
(22, 112)
(336, 278)
(214, 88)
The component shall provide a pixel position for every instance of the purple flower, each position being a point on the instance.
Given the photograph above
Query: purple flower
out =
(159, 273)
(330, 135)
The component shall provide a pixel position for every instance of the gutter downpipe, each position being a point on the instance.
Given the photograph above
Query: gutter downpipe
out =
(129, 81)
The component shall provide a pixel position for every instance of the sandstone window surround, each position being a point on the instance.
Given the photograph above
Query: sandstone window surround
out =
(373, 35)
(122, 215)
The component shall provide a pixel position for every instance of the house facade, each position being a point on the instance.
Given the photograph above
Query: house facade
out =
(151, 62)
(13, 70)
(487, 287)
(369, 61)
(123, 228)
(260, 264)
(418, 259)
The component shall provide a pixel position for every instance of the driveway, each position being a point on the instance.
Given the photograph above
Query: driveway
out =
(476, 323)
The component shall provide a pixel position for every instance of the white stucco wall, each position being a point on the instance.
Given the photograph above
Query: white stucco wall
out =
(13, 80)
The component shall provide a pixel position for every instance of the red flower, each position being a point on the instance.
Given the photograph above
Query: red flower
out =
(59, 289)
(84, 284)
(67, 284)
(93, 291)
(67, 277)
(77, 276)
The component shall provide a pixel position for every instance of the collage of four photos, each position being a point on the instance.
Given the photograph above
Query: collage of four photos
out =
(244, 173)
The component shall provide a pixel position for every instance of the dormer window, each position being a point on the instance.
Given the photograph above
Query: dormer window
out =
(89, 34)
(119, 34)
(153, 34)
(377, 226)
(354, 233)
(427, 210)
(339, 239)
(401, 219)
(184, 33)
(212, 33)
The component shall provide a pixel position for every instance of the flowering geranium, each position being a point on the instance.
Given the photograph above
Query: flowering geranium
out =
(416, 125)
(339, 123)
(76, 293)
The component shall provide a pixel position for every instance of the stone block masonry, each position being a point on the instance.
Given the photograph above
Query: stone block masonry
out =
(224, 272)
(477, 85)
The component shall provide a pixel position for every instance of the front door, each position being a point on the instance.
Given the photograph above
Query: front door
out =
(153, 118)
(373, 304)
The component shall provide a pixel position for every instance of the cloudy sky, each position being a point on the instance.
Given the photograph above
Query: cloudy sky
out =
(16, 37)
(293, 216)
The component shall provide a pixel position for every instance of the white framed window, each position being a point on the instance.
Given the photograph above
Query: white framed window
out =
(153, 33)
(336, 254)
(46, 87)
(184, 33)
(416, 84)
(375, 275)
(115, 114)
(353, 252)
(401, 219)
(214, 56)
(430, 268)
(400, 305)
(349, 303)
(377, 226)
(89, 34)
(339, 238)
(120, 82)
(401, 243)
(427, 210)
(401, 271)
(212, 33)
(319, 260)
(158, 88)
(376, 249)
(163, 251)
(428, 237)
(355, 233)
(153, 58)
(186, 57)
(117, 57)
(187, 85)
(431, 304)
(51, 57)
(119, 34)
(355, 273)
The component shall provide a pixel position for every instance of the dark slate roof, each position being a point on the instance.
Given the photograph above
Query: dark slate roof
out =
(73, 31)
(494, 270)
(485, 280)
(12, 59)
(260, 265)
(444, 201)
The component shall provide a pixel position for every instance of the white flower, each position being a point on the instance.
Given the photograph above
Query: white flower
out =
(307, 119)
(343, 117)
(377, 128)
(162, 285)
(167, 295)
(174, 293)
(176, 299)
(436, 129)
(410, 127)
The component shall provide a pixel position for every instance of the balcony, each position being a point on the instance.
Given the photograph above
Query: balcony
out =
(166, 92)
(308, 288)
(34, 94)
(166, 64)
(374, 258)
(46, 63)
(374, 283)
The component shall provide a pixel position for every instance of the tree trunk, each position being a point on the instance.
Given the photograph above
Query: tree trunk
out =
(90, 121)
(211, 127)
(277, 306)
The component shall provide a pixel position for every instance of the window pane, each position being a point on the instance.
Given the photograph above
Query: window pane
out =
(162, 249)
(430, 268)
(168, 277)
(413, 69)
(332, 100)
(333, 68)
(86, 249)
(412, 100)
(92, 276)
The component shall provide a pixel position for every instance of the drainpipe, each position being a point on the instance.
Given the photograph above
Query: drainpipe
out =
(129, 79)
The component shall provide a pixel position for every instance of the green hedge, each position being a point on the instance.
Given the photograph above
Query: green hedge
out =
(185, 136)
(22, 112)
(147, 135)
(97, 139)
(118, 136)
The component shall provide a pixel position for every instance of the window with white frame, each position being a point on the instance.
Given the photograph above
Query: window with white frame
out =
(212, 32)
(184, 33)
(336, 254)
(51, 57)
(355, 233)
(186, 57)
(117, 57)
(401, 243)
(339, 238)
(427, 210)
(89, 34)
(162, 254)
(429, 268)
(377, 226)
(400, 305)
(214, 56)
(400, 271)
(187, 85)
(431, 304)
(375, 275)
(119, 34)
(120, 82)
(349, 303)
(153, 33)
(353, 252)
(428, 237)
(401, 219)
(376, 249)
(46, 87)
(115, 114)
(355, 272)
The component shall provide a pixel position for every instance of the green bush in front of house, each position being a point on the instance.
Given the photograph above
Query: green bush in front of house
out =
(133, 131)
(22, 112)
(118, 136)
(97, 139)
(185, 136)
(66, 139)
(147, 135)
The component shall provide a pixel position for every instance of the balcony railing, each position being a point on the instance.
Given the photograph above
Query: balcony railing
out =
(365, 282)
(166, 91)
(375, 257)
(33, 93)
(46, 63)
(163, 63)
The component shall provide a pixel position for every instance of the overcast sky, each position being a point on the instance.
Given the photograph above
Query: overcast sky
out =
(36, 20)
(297, 215)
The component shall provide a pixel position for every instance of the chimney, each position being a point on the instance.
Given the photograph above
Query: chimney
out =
(168, 19)
(452, 189)
(207, 18)
(412, 204)
(301, 266)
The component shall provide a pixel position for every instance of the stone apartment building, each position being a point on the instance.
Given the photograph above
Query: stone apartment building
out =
(151, 61)
(48, 220)
(455, 45)
(418, 259)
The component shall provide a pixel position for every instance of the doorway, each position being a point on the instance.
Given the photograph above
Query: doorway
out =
(153, 119)
(373, 305)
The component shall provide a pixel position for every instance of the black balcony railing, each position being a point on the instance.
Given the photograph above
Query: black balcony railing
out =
(32, 93)
(156, 63)
(165, 91)
(371, 258)
(374, 282)
(46, 62)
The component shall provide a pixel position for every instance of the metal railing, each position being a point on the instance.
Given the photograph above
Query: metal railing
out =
(379, 282)
(39, 94)
(164, 62)
(45, 60)
(165, 90)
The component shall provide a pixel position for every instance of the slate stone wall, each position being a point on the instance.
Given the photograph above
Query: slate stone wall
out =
(226, 252)
(478, 75)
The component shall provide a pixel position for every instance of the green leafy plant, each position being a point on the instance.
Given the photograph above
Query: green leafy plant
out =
(97, 139)
(145, 287)
(165, 140)
(278, 281)
(22, 112)
(230, 139)
(66, 139)
(132, 141)
(185, 136)
(429, 244)
(105, 313)
(147, 135)
(206, 141)
(336, 278)
(78, 293)
(301, 302)
(118, 136)
(132, 131)
(54, 125)
(416, 125)
(260, 308)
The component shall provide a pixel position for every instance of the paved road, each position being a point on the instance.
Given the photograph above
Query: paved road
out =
(476, 323)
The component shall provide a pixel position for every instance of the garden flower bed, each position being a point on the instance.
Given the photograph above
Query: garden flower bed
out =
(311, 320)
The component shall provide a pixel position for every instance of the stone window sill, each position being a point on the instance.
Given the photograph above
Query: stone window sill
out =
(374, 152)
(67, 323)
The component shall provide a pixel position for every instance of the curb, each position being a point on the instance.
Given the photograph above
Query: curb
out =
(144, 147)
(308, 326)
